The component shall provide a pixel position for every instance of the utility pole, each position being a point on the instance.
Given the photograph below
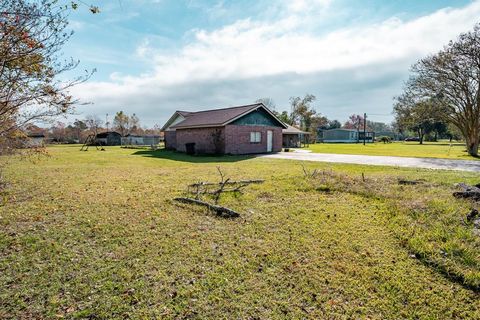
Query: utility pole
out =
(106, 121)
(364, 127)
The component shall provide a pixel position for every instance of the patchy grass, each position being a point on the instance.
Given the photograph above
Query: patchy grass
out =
(95, 235)
(401, 149)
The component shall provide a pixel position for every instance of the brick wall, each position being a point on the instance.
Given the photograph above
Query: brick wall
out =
(237, 139)
(170, 140)
(203, 139)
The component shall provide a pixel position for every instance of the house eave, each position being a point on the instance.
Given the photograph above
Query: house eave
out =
(200, 126)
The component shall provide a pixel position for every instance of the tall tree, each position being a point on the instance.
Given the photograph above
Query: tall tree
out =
(126, 124)
(452, 78)
(284, 117)
(302, 111)
(32, 34)
(121, 123)
(79, 127)
(134, 123)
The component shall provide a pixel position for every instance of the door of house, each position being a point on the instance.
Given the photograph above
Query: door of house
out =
(269, 140)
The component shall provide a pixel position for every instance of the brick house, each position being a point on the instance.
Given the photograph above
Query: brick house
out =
(237, 130)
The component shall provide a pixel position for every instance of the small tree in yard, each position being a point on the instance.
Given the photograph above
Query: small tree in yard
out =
(451, 78)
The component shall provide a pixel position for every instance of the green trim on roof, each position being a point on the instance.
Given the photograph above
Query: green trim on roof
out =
(258, 117)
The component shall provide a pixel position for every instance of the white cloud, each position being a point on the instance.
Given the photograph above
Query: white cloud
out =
(307, 5)
(249, 49)
(143, 48)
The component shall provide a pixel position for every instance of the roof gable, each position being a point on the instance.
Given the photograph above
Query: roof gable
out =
(222, 117)
(257, 117)
(177, 117)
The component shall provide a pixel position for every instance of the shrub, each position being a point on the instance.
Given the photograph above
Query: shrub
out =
(385, 139)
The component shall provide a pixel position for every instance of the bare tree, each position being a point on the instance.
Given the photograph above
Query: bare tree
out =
(267, 102)
(451, 77)
(94, 123)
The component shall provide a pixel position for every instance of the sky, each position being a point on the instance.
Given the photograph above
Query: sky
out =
(156, 56)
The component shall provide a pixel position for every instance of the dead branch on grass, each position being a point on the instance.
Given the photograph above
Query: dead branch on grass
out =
(203, 184)
(219, 210)
(215, 190)
(203, 187)
(410, 182)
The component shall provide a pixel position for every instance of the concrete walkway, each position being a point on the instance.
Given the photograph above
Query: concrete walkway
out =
(427, 163)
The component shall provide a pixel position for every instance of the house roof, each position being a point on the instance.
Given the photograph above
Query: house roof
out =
(36, 135)
(107, 133)
(184, 113)
(347, 130)
(142, 135)
(219, 117)
(292, 130)
(343, 129)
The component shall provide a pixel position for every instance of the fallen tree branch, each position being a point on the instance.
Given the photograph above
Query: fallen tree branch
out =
(219, 210)
(409, 182)
(197, 193)
(200, 184)
(218, 192)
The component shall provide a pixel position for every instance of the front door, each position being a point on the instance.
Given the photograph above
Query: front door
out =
(269, 140)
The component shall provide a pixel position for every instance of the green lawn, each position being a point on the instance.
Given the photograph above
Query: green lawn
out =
(96, 235)
(401, 149)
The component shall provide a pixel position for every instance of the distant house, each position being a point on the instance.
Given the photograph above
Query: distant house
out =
(344, 136)
(237, 130)
(141, 140)
(293, 137)
(35, 140)
(108, 138)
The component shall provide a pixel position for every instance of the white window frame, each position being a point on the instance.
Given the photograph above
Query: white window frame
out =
(255, 137)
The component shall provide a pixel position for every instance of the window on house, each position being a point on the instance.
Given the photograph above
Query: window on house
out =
(255, 137)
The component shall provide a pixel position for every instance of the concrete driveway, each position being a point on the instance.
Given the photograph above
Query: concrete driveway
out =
(427, 163)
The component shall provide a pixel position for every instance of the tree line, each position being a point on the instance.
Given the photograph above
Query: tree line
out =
(78, 130)
(304, 116)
